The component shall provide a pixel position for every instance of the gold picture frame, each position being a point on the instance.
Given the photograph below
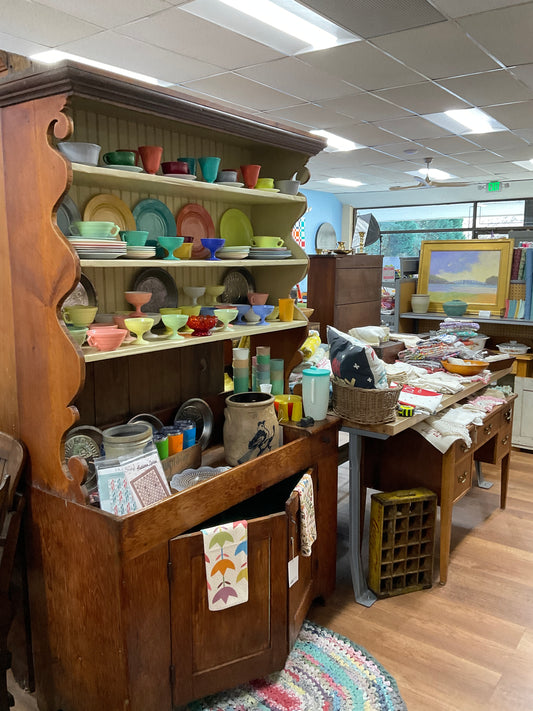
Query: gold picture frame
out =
(476, 271)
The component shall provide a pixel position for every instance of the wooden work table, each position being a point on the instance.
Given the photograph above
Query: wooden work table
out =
(393, 456)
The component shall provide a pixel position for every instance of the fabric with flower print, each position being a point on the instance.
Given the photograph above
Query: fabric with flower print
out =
(307, 514)
(226, 564)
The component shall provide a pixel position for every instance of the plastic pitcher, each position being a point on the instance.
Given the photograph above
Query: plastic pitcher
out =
(315, 392)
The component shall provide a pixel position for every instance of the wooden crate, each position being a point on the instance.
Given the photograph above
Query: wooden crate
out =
(402, 537)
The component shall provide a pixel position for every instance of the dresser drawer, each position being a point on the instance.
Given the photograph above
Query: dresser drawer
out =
(506, 415)
(488, 429)
(462, 477)
(460, 449)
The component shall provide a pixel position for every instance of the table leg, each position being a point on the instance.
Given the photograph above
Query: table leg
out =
(363, 595)
(481, 481)
(504, 479)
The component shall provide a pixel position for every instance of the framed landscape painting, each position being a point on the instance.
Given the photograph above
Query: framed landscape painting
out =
(476, 271)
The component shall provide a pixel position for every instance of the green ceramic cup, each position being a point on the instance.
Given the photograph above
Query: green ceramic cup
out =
(119, 158)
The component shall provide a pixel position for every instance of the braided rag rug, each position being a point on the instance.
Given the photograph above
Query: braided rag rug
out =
(324, 672)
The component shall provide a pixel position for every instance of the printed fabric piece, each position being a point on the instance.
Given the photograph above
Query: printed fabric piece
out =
(307, 514)
(226, 564)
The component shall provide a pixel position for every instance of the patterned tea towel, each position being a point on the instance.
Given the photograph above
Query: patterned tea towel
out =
(307, 514)
(226, 564)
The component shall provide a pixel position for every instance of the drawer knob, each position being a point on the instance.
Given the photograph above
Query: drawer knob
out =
(487, 429)
(508, 416)
(505, 439)
(462, 477)
(465, 447)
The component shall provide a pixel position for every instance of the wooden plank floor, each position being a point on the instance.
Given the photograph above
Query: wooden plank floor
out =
(467, 646)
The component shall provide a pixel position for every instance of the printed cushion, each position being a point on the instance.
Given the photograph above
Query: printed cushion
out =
(355, 363)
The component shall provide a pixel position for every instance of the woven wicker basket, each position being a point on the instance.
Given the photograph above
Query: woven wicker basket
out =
(365, 407)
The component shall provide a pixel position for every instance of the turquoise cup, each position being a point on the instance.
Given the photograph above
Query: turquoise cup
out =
(134, 238)
(209, 166)
(191, 162)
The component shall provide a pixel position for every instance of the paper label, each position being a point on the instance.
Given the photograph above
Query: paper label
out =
(293, 571)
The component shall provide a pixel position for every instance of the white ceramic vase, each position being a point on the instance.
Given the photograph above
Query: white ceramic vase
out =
(420, 303)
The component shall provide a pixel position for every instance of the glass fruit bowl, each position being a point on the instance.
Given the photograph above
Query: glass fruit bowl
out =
(201, 325)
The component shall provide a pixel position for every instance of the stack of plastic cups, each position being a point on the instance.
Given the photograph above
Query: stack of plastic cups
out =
(277, 367)
(188, 428)
(255, 386)
(263, 365)
(175, 439)
(241, 376)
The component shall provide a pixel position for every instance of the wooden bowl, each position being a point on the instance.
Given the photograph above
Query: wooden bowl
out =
(470, 367)
(307, 312)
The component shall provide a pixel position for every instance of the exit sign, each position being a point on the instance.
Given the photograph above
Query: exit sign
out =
(494, 187)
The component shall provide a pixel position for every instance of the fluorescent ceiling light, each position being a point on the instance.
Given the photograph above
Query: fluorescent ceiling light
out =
(346, 182)
(527, 164)
(285, 21)
(336, 143)
(466, 121)
(434, 173)
(53, 56)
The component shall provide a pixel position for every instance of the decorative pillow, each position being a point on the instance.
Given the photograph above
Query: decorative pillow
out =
(354, 362)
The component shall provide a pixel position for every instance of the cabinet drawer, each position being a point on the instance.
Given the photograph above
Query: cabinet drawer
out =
(460, 449)
(506, 415)
(462, 477)
(488, 429)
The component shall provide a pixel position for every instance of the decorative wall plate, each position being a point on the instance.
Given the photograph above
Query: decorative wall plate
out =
(237, 283)
(162, 287)
(326, 237)
(193, 220)
(84, 294)
(67, 213)
(110, 208)
(154, 217)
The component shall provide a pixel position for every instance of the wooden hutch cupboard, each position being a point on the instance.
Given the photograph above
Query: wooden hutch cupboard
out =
(117, 605)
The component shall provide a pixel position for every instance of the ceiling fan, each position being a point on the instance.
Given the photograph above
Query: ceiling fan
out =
(427, 182)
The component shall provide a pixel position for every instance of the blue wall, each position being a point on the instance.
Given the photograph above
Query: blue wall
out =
(321, 207)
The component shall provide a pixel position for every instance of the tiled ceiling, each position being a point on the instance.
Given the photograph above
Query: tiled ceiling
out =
(409, 59)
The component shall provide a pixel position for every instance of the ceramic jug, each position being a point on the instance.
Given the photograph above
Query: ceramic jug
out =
(315, 392)
(250, 427)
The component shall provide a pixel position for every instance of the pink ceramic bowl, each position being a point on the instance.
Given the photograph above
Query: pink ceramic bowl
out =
(106, 339)
(256, 299)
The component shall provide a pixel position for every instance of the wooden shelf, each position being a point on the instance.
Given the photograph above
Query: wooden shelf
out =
(143, 182)
(188, 263)
(434, 316)
(92, 354)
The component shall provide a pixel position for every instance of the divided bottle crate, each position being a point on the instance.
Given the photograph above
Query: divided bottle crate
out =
(402, 537)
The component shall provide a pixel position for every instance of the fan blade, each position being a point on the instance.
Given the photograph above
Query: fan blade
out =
(447, 184)
(423, 184)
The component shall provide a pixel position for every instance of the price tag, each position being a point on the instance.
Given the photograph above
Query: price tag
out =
(293, 571)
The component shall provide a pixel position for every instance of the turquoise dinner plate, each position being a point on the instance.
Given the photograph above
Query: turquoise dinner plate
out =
(154, 217)
(236, 228)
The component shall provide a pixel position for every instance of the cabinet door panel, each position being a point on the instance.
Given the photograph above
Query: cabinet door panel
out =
(212, 651)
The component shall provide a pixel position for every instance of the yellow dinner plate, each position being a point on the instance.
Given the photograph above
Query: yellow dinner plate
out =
(109, 208)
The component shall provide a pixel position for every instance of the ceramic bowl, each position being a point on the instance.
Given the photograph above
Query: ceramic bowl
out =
(201, 325)
(262, 310)
(243, 310)
(513, 348)
(175, 167)
(78, 335)
(288, 187)
(251, 317)
(470, 367)
(106, 339)
(256, 299)
(454, 308)
(227, 176)
(86, 153)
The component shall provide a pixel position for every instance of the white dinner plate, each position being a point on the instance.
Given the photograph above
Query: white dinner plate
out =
(129, 168)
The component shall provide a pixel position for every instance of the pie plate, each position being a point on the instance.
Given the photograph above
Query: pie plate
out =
(193, 220)
(190, 477)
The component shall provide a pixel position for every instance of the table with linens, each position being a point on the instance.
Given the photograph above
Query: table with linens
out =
(393, 456)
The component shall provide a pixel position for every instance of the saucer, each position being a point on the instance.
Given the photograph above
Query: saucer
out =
(130, 168)
(228, 183)
(179, 176)
(268, 190)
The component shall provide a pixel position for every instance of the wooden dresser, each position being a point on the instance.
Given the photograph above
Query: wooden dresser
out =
(344, 291)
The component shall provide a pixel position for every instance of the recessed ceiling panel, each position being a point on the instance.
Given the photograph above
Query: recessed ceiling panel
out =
(423, 98)
(44, 25)
(295, 77)
(460, 8)
(369, 18)
(414, 127)
(488, 88)
(365, 107)
(506, 33)
(517, 115)
(440, 50)
(311, 116)
(365, 134)
(449, 145)
(363, 65)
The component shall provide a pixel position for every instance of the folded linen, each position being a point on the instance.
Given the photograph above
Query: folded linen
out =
(307, 514)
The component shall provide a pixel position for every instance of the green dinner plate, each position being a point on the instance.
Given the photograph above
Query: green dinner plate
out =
(236, 228)
(154, 217)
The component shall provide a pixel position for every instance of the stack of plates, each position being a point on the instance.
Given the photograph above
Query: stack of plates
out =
(140, 252)
(98, 247)
(269, 253)
(240, 251)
